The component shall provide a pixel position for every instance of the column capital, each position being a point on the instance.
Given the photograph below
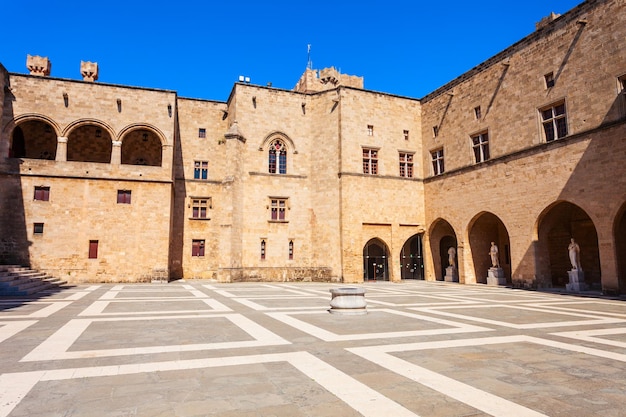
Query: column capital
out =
(61, 139)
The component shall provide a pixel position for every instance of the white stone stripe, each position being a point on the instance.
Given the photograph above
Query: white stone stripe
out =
(481, 400)
(97, 307)
(57, 345)
(467, 394)
(594, 320)
(370, 403)
(451, 327)
(51, 308)
(10, 328)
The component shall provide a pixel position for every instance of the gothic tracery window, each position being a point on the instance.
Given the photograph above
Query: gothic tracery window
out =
(277, 157)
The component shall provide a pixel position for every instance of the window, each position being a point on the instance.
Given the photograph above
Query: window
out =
(42, 193)
(199, 207)
(480, 144)
(549, 80)
(93, 249)
(436, 157)
(435, 131)
(554, 120)
(477, 112)
(277, 154)
(123, 196)
(38, 228)
(406, 135)
(278, 206)
(370, 130)
(200, 170)
(406, 165)
(291, 250)
(202, 132)
(197, 247)
(370, 161)
(263, 249)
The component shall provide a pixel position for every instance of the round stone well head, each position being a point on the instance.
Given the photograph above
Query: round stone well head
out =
(348, 300)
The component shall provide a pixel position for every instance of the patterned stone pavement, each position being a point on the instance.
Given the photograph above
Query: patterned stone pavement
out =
(265, 349)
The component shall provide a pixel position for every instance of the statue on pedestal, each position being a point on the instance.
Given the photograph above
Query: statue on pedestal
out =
(493, 252)
(452, 256)
(574, 254)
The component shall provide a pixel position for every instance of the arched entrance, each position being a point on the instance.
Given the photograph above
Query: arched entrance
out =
(375, 261)
(34, 139)
(620, 248)
(484, 229)
(557, 225)
(442, 237)
(412, 259)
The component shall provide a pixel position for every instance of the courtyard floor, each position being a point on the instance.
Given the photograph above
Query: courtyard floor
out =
(270, 349)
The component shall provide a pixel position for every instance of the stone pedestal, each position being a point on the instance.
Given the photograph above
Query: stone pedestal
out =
(576, 281)
(452, 275)
(347, 300)
(495, 276)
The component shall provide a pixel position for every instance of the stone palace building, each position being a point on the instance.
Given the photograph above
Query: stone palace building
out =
(329, 181)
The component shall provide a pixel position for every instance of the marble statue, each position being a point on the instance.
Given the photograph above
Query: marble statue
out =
(493, 252)
(574, 254)
(451, 256)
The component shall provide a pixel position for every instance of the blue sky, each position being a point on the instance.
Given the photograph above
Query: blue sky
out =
(199, 48)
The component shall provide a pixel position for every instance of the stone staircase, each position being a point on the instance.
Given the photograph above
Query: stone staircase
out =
(16, 280)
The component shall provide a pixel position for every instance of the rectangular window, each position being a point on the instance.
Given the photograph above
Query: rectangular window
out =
(622, 83)
(42, 193)
(406, 135)
(370, 130)
(197, 247)
(38, 228)
(480, 145)
(123, 196)
(437, 160)
(200, 170)
(200, 207)
(370, 161)
(202, 132)
(549, 80)
(406, 165)
(435, 131)
(262, 249)
(278, 206)
(477, 112)
(93, 249)
(291, 250)
(554, 120)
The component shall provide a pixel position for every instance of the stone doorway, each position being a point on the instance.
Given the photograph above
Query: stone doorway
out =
(412, 259)
(484, 229)
(375, 261)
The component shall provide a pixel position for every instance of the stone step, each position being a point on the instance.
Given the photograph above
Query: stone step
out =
(18, 280)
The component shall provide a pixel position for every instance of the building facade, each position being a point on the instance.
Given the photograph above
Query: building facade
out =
(329, 181)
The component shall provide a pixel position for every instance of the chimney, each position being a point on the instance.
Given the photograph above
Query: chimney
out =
(89, 70)
(38, 65)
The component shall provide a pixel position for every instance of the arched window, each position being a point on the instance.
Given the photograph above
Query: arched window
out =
(277, 155)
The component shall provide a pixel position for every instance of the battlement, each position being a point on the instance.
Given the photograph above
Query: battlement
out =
(313, 81)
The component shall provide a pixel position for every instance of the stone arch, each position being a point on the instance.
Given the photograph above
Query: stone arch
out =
(412, 258)
(556, 225)
(442, 236)
(483, 229)
(278, 135)
(89, 140)
(276, 146)
(33, 136)
(375, 260)
(619, 233)
(141, 145)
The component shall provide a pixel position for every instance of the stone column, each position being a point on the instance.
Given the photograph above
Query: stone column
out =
(116, 152)
(61, 149)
